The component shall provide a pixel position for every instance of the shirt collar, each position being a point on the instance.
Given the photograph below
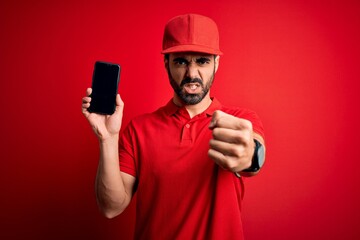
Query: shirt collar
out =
(171, 108)
(215, 105)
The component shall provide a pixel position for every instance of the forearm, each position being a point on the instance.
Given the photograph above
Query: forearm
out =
(111, 193)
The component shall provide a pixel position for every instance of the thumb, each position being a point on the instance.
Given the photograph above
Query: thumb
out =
(119, 103)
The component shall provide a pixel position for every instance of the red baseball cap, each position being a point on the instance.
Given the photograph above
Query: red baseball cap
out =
(191, 33)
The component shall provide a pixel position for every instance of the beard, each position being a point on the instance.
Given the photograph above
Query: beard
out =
(191, 99)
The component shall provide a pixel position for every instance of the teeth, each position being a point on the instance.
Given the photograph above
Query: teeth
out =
(192, 86)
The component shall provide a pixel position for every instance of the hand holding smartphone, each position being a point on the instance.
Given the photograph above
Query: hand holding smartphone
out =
(105, 83)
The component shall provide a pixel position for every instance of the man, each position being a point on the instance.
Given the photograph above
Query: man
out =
(186, 160)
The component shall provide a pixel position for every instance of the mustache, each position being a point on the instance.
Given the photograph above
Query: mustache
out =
(191, 80)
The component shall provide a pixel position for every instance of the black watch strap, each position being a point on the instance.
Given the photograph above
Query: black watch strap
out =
(258, 158)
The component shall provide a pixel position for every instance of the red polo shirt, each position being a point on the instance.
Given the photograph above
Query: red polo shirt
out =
(181, 192)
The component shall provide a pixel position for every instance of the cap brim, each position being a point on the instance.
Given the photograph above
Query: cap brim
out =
(192, 48)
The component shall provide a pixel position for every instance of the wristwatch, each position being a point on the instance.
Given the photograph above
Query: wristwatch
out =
(258, 159)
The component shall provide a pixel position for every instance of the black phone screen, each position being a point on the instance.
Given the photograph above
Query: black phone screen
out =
(104, 87)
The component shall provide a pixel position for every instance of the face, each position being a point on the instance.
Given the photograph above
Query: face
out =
(191, 75)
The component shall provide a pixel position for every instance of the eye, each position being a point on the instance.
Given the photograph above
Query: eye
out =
(180, 61)
(203, 61)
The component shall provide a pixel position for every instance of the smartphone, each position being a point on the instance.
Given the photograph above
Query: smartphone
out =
(105, 83)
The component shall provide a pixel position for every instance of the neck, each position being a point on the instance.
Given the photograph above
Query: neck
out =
(196, 109)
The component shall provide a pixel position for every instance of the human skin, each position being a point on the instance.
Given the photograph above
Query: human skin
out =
(231, 147)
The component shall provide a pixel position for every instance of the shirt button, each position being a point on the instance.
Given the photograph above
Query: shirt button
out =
(187, 125)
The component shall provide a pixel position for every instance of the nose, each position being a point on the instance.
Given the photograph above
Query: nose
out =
(192, 71)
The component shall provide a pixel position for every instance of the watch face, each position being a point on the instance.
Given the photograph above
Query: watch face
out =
(261, 155)
(258, 158)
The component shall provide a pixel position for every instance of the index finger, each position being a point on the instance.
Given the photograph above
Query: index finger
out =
(224, 120)
(88, 91)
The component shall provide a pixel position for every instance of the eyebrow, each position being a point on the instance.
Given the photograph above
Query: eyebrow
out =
(197, 59)
(180, 59)
(203, 59)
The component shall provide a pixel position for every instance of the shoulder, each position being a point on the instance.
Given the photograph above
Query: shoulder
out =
(147, 119)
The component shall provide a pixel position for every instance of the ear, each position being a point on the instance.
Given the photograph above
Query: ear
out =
(217, 62)
(166, 63)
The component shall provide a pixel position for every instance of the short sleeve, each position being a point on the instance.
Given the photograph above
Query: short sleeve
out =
(127, 154)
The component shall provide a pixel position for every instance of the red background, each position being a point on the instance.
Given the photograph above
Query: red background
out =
(296, 63)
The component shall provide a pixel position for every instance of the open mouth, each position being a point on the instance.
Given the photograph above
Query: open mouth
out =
(192, 87)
